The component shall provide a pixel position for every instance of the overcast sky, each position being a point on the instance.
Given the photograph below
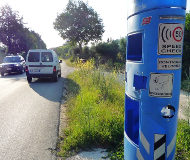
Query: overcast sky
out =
(39, 16)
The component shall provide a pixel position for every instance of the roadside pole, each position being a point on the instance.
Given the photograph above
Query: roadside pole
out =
(153, 76)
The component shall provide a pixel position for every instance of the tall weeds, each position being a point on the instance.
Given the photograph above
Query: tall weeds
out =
(96, 113)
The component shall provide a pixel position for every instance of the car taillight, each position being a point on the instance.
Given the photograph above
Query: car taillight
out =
(54, 68)
(26, 69)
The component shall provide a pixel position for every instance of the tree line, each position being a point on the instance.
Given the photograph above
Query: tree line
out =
(112, 50)
(186, 51)
(14, 36)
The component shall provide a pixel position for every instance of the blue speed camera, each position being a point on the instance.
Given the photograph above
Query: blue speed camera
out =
(153, 75)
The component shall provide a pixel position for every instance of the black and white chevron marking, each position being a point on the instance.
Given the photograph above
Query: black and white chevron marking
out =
(144, 142)
(139, 155)
(159, 146)
(171, 146)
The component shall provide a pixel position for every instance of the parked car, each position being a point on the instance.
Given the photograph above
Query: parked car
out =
(14, 63)
(42, 63)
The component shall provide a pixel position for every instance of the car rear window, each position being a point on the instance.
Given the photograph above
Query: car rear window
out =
(34, 57)
(11, 59)
(47, 57)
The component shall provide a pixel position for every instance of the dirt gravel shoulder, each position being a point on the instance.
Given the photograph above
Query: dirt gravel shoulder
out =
(66, 70)
(183, 103)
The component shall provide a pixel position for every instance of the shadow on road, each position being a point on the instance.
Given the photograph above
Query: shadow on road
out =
(71, 87)
(53, 91)
(15, 76)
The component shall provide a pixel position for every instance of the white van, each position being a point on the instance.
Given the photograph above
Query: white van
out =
(42, 63)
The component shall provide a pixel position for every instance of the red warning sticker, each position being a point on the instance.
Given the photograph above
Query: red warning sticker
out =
(146, 20)
(170, 39)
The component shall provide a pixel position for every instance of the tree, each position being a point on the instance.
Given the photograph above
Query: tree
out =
(79, 24)
(14, 35)
(30, 40)
(34, 41)
(11, 26)
(122, 48)
(187, 23)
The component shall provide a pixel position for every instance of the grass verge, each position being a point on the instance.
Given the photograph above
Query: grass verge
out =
(183, 141)
(95, 111)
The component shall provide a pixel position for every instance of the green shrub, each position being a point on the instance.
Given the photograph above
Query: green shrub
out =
(109, 49)
(118, 152)
(185, 85)
(183, 141)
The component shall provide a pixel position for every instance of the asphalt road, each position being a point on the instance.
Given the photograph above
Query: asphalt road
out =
(29, 117)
